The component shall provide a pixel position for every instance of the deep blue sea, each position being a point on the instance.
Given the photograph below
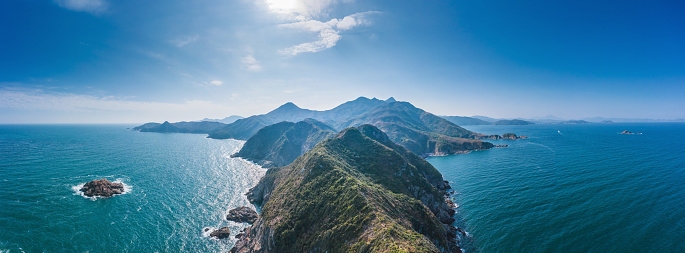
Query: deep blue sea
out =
(177, 184)
(569, 188)
(573, 188)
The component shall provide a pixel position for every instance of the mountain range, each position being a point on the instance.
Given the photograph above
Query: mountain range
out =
(413, 128)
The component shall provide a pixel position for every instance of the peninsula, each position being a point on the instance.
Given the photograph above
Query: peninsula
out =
(355, 192)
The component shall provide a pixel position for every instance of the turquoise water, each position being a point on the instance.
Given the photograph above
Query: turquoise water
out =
(573, 188)
(177, 184)
(569, 188)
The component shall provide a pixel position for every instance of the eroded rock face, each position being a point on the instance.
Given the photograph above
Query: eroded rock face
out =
(102, 188)
(242, 214)
(221, 233)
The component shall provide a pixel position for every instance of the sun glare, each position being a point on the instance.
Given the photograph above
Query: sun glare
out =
(282, 6)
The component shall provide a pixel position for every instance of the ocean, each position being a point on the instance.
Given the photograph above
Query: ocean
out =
(568, 188)
(573, 188)
(177, 185)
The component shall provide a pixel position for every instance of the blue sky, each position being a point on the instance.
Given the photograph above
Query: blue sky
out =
(100, 61)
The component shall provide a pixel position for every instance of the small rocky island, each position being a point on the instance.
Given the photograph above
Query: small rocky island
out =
(242, 214)
(102, 188)
(628, 132)
(221, 233)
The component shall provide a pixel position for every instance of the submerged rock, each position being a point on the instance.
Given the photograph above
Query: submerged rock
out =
(221, 233)
(102, 188)
(242, 214)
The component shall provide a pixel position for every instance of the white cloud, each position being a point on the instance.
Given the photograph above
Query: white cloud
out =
(329, 32)
(250, 63)
(180, 42)
(216, 82)
(90, 6)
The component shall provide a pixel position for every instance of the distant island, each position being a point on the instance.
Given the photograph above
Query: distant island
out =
(203, 127)
(574, 122)
(512, 122)
(465, 121)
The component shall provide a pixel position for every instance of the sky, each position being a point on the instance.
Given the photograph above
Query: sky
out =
(127, 61)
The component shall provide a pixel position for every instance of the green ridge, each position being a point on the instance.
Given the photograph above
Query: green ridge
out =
(355, 192)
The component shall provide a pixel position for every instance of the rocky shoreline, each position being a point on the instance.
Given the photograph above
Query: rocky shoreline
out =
(238, 214)
(242, 214)
(507, 136)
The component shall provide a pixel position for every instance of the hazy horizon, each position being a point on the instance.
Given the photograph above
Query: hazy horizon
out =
(103, 61)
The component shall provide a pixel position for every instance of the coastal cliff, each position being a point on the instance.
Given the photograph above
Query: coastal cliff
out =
(357, 191)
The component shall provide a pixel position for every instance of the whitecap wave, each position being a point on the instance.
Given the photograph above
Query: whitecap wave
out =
(77, 189)
(207, 230)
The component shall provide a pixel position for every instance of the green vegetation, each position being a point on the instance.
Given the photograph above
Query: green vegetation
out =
(279, 144)
(509, 136)
(356, 192)
(420, 131)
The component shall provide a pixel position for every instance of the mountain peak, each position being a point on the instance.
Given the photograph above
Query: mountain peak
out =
(391, 99)
(289, 105)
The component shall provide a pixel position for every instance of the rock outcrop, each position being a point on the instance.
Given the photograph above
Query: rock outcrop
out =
(242, 214)
(221, 233)
(102, 188)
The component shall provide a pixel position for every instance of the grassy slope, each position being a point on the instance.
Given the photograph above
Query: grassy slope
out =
(281, 143)
(351, 193)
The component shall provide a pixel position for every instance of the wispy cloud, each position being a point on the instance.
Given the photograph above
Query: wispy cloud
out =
(305, 13)
(89, 6)
(329, 32)
(216, 82)
(250, 63)
(180, 42)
